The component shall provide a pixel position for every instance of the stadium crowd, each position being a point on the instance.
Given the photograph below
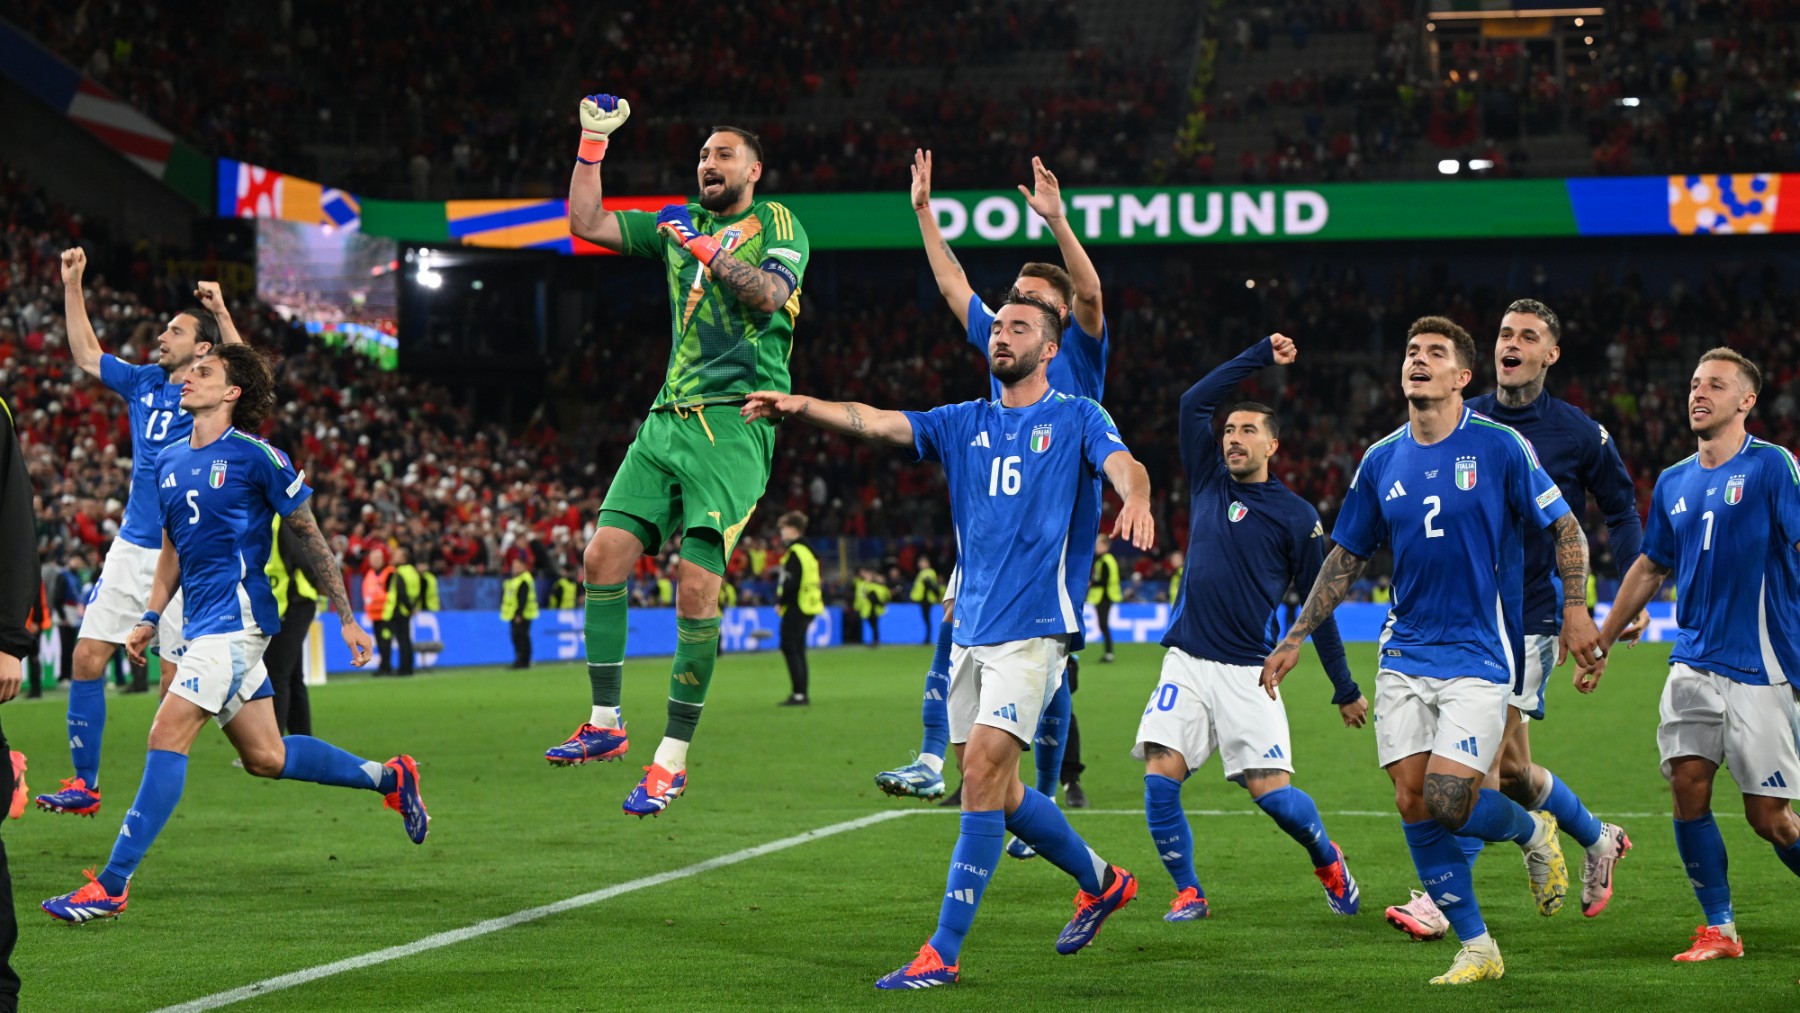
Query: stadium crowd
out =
(1668, 86)
(400, 461)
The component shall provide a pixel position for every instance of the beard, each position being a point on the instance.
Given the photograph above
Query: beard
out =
(728, 195)
(1023, 364)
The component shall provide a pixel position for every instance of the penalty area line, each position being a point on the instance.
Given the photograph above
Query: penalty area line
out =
(492, 925)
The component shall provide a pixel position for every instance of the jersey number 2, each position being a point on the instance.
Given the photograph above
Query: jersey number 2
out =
(1436, 505)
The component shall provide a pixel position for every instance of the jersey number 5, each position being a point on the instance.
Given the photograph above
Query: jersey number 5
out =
(193, 502)
(1004, 476)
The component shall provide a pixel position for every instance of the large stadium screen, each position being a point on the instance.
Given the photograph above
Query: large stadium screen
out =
(340, 284)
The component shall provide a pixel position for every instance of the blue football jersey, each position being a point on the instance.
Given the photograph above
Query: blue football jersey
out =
(1454, 514)
(157, 421)
(1248, 541)
(1729, 534)
(1018, 479)
(218, 502)
(1080, 364)
(1581, 458)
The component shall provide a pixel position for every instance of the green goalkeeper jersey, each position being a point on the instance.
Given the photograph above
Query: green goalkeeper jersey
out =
(721, 349)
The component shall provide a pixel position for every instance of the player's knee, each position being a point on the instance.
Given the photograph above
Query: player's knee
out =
(1515, 783)
(593, 561)
(90, 658)
(697, 597)
(1774, 823)
(264, 762)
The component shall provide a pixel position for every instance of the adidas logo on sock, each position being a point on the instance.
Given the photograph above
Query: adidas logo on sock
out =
(1775, 781)
(933, 694)
(1170, 856)
(1009, 712)
(1468, 746)
(1448, 898)
(965, 895)
(1275, 753)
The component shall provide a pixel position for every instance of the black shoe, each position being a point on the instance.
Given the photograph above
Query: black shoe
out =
(954, 799)
(1073, 796)
(794, 700)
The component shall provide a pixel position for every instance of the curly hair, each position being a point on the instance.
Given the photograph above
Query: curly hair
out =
(249, 371)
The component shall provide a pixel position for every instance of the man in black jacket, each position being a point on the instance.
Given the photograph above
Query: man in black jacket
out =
(18, 592)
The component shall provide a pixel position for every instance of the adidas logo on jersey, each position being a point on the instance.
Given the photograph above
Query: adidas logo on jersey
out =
(1010, 712)
(1775, 780)
(981, 441)
(168, 481)
(1396, 492)
(1468, 746)
(1680, 507)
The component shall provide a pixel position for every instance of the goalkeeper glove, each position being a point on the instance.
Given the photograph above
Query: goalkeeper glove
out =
(675, 222)
(600, 116)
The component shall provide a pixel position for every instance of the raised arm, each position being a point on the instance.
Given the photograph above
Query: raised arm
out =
(846, 418)
(1579, 637)
(1641, 583)
(84, 344)
(1340, 571)
(1046, 200)
(210, 297)
(600, 116)
(1195, 421)
(951, 282)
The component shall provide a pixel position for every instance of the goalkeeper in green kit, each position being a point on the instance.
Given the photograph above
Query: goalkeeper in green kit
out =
(733, 266)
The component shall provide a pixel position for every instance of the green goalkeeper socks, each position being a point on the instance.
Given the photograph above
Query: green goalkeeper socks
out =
(604, 624)
(691, 674)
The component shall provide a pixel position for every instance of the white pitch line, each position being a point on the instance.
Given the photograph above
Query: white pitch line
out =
(493, 925)
(1376, 813)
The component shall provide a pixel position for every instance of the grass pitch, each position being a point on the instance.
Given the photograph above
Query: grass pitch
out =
(255, 879)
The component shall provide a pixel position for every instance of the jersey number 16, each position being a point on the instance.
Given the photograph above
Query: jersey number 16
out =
(1004, 476)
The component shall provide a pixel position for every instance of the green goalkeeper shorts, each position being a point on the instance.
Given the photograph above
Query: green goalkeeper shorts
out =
(698, 472)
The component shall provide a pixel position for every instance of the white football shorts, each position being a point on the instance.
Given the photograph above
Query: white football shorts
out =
(1201, 706)
(1005, 686)
(1750, 729)
(1460, 719)
(1540, 660)
(223, 671)
(122, 594)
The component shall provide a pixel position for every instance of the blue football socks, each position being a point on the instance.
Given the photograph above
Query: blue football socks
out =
(1169, 830)
(87, 721)
(1294, 811)
(1052, 741)
(1702, 851)
(1572, 817)
(972, 864)
(934, 712)
(1038, 822)
(165, 773)
(318, 761)
(1495, 817)
(1444, 872)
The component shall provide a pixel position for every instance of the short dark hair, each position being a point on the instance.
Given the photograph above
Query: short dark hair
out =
(1274, 422)
(792, 519)
(1537, 309)
(1050, 323)
(249, 371)
(205, 327)
(1752, 375)
(1459, 338)
(1056, 276)
(751, 140)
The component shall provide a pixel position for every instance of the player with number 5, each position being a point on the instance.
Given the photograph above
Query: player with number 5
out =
(152, 394)
(1450, 493)
(1023, 470)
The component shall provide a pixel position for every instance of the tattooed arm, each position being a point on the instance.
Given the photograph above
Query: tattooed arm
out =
(944, 266)
(846, 418)
(763, 291)
(324, 562)
(1579, 637)
(1340, 571)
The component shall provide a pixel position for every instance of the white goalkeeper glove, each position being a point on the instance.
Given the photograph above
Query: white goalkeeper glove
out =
(600, 116)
